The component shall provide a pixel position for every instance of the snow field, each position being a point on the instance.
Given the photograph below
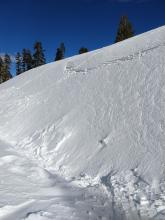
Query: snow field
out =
(85, 137)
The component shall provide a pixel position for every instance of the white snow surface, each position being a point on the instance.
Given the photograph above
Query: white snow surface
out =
(84, 138)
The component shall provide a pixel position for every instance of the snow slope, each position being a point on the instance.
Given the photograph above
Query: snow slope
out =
(98, 121)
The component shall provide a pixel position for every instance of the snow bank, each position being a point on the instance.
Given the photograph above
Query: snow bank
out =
(94, 114)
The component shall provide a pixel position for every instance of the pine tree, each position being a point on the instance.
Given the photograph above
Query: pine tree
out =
(62, 48)
(125, 29)
(83, 50)
(5, 68)
(38, 56)
(29, 60)
(58, 55)
(7, 63)
(18, 64)
(1, 69)
(23, 60)
(60, 52)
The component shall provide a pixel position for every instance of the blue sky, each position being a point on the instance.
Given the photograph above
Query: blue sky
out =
(89, 23)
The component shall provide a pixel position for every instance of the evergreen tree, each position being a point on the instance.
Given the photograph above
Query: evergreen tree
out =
(18, 64)
(23, 60)
(5, 68)
(1, 69)
(58, 55)
(38, 56)
(62, 48)
(125, 29)
(83, 50)
(60, 52)
(7, 63)
(29, 60)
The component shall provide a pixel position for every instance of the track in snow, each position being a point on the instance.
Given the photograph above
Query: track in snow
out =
(35, 193)
(86, 136)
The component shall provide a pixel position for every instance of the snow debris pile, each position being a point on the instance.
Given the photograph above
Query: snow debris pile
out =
(84, 138)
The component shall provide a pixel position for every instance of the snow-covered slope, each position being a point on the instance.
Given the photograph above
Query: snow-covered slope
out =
(97, 118)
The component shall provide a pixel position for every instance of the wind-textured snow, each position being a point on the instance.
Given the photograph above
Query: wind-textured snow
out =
(84, 138)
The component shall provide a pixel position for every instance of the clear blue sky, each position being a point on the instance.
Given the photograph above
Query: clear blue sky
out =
(89, 23)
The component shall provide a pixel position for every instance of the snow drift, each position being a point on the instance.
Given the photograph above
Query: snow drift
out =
(96, 118)
(93, 114)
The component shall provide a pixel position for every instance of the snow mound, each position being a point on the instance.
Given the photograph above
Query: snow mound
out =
(96, 118)
(94, 114)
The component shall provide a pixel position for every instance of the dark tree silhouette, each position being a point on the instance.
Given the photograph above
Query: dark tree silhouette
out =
(23, 68)
(83, 50)
(125, 29)
(1, 70)
(60, 52)
(5, 68)
(29, 60)
(38, 56)
(18, 63)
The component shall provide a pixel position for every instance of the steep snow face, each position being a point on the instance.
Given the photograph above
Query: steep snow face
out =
(96, 114)
(98, 120)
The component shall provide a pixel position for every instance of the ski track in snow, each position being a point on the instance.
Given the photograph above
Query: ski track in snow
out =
(40, 179)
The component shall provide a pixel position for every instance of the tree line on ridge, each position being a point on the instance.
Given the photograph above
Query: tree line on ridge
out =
(26, 60)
